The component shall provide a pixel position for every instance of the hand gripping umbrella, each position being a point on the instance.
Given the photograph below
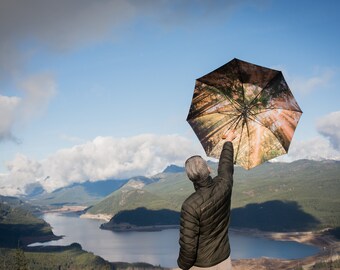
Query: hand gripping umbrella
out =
(252, 101)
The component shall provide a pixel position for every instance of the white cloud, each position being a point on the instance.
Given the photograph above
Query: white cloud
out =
(329, 126)
(317, 148)
(320, 80)
(8, 108)
(63, 25)
(37, 91)
(322, 147)
(102, 158)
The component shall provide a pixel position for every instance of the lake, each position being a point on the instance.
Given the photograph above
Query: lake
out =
(159, 248)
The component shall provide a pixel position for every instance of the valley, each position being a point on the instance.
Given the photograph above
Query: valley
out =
(295, 201)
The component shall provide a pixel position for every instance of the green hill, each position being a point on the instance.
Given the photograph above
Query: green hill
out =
(313, 185)
(143, 219)
(19, 226)
(128, 198)
(52, 257)
(309, 187)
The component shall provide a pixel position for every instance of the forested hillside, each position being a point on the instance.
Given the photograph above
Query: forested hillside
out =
(19, 226)
(305, 191)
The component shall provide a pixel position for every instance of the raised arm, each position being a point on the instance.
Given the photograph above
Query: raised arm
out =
(226, 163)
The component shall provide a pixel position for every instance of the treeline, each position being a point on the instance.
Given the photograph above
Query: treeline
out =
(146, 217)
(62, 257)
(69, 257)
(278, 216)
(19, 226)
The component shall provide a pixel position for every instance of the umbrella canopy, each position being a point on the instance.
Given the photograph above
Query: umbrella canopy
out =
(252, 101)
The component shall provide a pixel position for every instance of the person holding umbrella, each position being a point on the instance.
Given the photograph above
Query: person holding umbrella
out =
(243, 107)
(205, 214)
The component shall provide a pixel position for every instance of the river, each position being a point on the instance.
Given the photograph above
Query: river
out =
(161, 247)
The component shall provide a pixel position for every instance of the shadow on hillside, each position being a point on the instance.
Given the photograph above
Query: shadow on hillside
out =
(146, 217)
(278, 216)
(14, 235)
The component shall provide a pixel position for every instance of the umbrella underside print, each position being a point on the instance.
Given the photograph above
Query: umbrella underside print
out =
(254, 102)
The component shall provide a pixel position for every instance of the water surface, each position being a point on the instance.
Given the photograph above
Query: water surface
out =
(159, 248)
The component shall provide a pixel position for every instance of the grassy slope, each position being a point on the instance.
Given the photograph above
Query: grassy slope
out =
(313, 185)
(127, 199)
(76, 195)
(69, 257)
(17, 224)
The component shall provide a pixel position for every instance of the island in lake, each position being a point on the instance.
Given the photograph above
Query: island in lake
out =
(142, 219)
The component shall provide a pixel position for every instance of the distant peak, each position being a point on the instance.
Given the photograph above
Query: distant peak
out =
(173, 169)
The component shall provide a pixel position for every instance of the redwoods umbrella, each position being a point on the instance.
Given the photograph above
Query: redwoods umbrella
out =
(253, 101)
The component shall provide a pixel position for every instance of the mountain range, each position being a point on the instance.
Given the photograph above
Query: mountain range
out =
(313, 187)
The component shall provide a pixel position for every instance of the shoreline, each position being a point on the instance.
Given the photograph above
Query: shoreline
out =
(103, 217)
(28, 240)
(329, 246)
(316, 238)
(132, 228)
(329, 249)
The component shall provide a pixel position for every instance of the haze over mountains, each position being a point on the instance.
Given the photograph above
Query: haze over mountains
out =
(276, 197)
(311, 187)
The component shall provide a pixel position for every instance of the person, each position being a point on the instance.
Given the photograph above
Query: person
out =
(205, 214)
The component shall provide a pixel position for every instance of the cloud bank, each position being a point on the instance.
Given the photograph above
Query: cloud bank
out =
(314, 83)
(329, 126)
(37, 91)
(8, 108)
(317, 148)
(65, 25)
(102, 158)
(325, 146)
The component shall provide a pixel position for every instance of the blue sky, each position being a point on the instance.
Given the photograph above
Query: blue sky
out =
(94, 90)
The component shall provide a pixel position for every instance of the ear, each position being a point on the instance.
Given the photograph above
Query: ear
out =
(209, 169)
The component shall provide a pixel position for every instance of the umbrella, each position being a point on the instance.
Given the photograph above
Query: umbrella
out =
(254, 102)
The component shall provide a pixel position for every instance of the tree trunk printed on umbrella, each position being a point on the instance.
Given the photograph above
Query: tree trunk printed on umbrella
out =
(251, 100)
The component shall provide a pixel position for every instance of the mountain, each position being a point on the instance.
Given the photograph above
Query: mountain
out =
(88, 193)
(19, 203)
(174, 169)
(131, 196)
(310, 188)
(85, 193)
(34, 189)
(19, 226)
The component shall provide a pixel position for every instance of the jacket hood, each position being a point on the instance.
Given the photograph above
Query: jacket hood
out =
(202, 183)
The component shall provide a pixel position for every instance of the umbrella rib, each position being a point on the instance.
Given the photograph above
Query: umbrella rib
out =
(272, 108)
(232, 101)
(237, 121)
(230, 123)
(223, 113)
(246, 122)
(255, 98)
(259, 122)
(238, 146)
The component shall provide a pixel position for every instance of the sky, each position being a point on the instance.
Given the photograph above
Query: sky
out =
(94, 90)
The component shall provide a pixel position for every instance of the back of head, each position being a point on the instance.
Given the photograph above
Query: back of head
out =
(196, 168)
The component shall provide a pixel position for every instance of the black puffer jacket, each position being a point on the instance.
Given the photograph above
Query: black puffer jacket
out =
(205, 217)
